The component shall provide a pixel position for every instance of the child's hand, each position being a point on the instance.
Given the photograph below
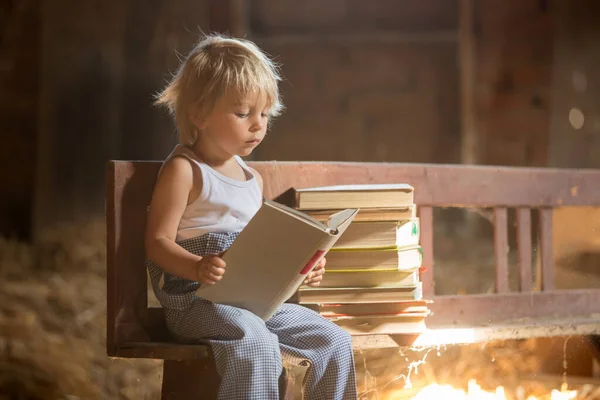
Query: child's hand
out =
(315, 276)
(210, 269)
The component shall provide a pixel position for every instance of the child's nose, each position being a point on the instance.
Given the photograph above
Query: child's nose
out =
(257, 124)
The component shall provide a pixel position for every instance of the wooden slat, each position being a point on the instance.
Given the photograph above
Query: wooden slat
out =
(426, 240)
(546, 249)
(446, 185)
(532, 328)
(111, 274)
(480, 309)
(501, 249)
(126, 275)
(435, 335)
(524, 248)
(435, 184)
(163, 351)
(478, 317)
(178, 351)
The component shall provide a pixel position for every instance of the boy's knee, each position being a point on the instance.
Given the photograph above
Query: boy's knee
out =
(334, 337)
(341, 338)
(260, 341)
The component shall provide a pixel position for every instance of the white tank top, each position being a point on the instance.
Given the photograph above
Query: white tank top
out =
(224, 204)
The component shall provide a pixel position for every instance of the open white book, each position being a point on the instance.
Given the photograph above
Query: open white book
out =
(271, 257)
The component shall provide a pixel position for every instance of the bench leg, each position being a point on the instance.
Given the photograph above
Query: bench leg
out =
(189, 380)
(198, 379)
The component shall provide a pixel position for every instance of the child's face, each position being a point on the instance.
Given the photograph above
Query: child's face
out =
(235, 127)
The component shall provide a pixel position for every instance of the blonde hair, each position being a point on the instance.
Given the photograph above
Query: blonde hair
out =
(217, 66)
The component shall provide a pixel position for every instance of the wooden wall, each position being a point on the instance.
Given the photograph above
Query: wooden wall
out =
(575, 136)
(102, 61)
(575, 128)
(19, 99)
(365, 81)
(514, 61)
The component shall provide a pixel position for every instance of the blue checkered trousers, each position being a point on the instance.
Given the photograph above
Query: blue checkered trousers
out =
(249, 351)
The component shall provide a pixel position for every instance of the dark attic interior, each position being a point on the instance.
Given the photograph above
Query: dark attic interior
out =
(489, 108)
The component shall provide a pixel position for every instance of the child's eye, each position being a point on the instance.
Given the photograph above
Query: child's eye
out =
(242, 115)
(264, 115)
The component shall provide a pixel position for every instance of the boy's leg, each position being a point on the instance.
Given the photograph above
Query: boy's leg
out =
(306, 335)
(247, 355)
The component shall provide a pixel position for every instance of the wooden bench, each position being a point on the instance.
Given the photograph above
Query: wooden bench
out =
(135, 330)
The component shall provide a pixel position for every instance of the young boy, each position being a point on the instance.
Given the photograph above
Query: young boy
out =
(223, 97)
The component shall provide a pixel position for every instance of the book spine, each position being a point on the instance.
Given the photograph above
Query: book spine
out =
(366, 248)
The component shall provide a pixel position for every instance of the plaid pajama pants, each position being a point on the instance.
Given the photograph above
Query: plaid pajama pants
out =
(249, 351)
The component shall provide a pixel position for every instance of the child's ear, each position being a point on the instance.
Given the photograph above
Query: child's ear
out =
(196, 120)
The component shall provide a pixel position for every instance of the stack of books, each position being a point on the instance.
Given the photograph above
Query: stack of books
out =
(371, 284)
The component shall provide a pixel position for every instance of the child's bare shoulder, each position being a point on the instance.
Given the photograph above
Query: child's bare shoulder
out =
(178, 179)
(177, 167)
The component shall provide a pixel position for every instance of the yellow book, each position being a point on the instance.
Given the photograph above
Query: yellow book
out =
(403, 259)
(307, 295)
(369, 278)
(385, 234)
(372, 214)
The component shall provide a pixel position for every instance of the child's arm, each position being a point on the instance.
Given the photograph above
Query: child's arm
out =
(174, 189)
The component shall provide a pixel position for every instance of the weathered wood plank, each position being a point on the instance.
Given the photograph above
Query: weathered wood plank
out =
(435, 184)
(456, 319)
(163, 351)
(447, 185)
(482, 309)
(434, 335)
(427, 277)
(111, 249)
(126, 275)
(524, 248)
(501, 249)
(534, 328)
(546, 249)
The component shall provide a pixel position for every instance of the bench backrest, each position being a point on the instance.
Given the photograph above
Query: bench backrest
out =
(130, 184)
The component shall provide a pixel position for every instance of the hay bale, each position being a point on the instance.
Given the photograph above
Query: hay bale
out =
(53, 322)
